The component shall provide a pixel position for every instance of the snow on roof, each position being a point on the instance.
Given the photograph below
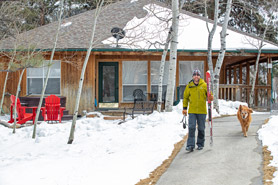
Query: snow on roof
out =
(150, 32)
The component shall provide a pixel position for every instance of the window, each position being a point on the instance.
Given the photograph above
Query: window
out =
(186, 69)
(36, 79)
(134, 77)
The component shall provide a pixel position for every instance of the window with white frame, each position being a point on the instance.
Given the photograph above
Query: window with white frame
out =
(134, 77)
(155, 71)
(186, 69)
(36, 78)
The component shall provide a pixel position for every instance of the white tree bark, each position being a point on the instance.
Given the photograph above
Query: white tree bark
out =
(27, 59)
(221, 55)
(161, 73)
(49, 68)
(15, 104)
(215, 73)
(211, 35)
(97, 12)
(254, 77)
(173, 57)
(162, 65)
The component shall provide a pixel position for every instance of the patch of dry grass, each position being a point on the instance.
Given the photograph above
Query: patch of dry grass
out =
(267, 169)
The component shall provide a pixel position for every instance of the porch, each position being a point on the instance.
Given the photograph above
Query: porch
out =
(241, 92)
(236, 82)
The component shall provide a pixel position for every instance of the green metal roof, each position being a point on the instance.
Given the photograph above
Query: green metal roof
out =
(152, 50)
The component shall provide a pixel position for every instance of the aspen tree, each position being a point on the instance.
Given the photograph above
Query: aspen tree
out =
(25, 58)
(77, 100)
(162, 65)
(49, 68)
(173, 57)
(215, 73)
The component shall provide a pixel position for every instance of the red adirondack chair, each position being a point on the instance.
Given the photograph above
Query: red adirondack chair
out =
(22, 116)
(52, 111)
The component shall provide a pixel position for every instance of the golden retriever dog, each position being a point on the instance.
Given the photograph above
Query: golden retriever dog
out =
(244, 117)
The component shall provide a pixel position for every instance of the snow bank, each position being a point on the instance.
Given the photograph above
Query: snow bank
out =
(268, 134)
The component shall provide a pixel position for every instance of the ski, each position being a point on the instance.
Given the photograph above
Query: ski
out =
(208, 79)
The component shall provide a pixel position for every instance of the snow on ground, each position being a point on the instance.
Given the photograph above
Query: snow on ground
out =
(102, 153)
(269, 136)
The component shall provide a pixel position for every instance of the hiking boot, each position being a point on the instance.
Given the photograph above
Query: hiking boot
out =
(189, 148)
(200, 148)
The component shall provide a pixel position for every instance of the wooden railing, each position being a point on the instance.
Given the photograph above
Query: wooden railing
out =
(240, 92)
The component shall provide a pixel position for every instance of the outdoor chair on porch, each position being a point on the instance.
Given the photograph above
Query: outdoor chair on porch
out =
(22, 116)
(52, 111)
(138, 95)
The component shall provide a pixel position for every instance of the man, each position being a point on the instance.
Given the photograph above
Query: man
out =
(195, 94)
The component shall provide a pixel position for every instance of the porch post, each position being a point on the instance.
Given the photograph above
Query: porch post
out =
(222, 80)
(230, 82)
(225, 82)
(269, 62)
(240, 81)
(256, 89)
(235, 82)
(247, 81)
(235, 75)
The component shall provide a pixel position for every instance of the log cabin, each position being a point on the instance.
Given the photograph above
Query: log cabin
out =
(130, 59)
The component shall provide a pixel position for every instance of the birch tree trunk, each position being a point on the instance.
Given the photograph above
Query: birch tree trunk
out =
(49, 68)
(211, 35)
(173, 57)
(215, 73)
(161, 73)
(252, 93)
(221, 55)
(162, 65)
(71, 137)
(15, 104)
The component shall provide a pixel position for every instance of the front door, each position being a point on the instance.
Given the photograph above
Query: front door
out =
(108, 85)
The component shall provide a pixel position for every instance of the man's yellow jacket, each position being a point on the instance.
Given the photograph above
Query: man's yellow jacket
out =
(195, 96)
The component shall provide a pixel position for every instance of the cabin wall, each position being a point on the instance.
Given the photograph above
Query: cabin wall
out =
(70, 77)
(11, 86)
(70, 74)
